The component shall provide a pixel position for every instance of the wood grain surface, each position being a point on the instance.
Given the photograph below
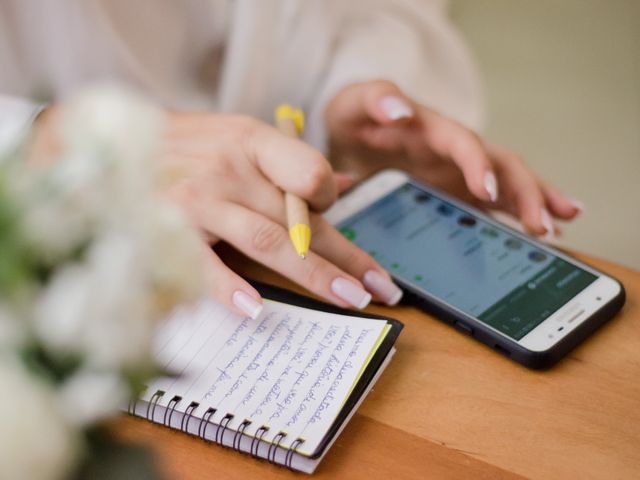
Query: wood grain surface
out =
(449, 407)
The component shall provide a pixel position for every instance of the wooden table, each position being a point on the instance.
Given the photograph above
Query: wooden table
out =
(448, 407)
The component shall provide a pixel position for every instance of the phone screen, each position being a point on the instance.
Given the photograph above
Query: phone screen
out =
(483, 270)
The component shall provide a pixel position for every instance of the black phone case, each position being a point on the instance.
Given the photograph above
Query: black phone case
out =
(510, 348)
(479, 331)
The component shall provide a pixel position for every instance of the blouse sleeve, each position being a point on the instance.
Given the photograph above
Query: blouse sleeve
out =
(409, 42)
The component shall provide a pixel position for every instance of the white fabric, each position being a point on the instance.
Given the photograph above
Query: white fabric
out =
(243, 56)
(16, 115)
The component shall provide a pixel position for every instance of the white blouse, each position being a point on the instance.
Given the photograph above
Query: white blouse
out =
(243, 56)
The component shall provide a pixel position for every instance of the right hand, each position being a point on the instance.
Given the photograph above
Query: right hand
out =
(231, 174)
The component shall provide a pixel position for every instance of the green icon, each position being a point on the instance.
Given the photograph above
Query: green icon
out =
(418, 278)
(373, 253)
(349, 233)
(395, 265)
(489, 232)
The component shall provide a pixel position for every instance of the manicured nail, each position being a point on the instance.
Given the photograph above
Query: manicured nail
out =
(547, 223)
(245, 302)
(395, 108)
(578, 205)
(491, 185)
(350, 292)
(384, 288)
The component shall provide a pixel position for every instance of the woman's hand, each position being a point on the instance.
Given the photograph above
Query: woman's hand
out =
(229, 174)
(373, 125)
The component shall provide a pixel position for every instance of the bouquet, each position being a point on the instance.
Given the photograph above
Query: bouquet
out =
(91, 259)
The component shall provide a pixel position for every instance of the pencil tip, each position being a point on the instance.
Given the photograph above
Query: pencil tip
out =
(300, 237)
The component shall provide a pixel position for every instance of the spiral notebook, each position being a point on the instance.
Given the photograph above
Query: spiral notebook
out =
(281, 387)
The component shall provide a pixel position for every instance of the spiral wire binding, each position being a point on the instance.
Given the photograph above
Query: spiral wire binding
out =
(186, 418)
(238, 435)
(274, 446)
(132, 406)
(257, 439)
(206, 418)
(226, 419)
(222, 427)
(134, 402)
(288, 459)
(171, 406)
(153, 402)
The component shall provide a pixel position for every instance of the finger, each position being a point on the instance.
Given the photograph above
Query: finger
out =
(389, 139)
(559, 204)
(523, 192)
(268, 243)
(385, 103)
(334, 247)
(229, 289)
(291, 164)
(331, 245)
(451, 140)
(344, 181)
(380, 101)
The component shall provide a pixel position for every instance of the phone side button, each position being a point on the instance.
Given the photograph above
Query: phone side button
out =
(463, 328)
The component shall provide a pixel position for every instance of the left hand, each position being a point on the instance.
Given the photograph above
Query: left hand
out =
(376, 125)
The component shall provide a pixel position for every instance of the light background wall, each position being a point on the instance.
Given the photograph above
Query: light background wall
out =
(562, 79)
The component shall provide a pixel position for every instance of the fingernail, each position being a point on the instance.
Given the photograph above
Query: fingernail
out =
(382, 287)
(491, 185)
(578, 205)
(395, 108)
(350, 292)
(547, 223)
(245, 302)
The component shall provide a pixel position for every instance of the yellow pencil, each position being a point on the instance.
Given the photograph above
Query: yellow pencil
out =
(291, 122)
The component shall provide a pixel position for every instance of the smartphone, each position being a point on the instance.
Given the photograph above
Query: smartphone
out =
(508, 290)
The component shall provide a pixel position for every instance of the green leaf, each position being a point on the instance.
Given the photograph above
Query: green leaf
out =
(53, 368)
(17, 268)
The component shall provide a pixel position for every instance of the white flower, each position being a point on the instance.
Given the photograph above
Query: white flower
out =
(114, 122)
(106, 173)
(90, 396)
(58, 219)
(35, 441)
(99, 309)
(120, 326)
(61, 311)
(12, 331)
(119, 258)
(174, 258)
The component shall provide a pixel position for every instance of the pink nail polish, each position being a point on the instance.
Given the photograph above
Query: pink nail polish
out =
(578, 205)
(491, 185)
(395, 108)
(245, 302)
(382, 287)
(350, 292)
(547, 223)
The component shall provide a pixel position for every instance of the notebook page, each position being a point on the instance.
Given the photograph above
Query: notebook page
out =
(291, 369)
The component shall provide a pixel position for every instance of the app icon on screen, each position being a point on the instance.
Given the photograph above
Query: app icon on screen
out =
(422, 197)
(445, 210)
(489, 232)
(536, 256)
(349, 233)
(513, 244)
(466, 221)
